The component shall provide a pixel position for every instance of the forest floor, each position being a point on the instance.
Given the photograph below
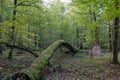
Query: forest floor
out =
(77, 67)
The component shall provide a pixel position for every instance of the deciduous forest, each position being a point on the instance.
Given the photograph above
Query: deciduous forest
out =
(59, 39)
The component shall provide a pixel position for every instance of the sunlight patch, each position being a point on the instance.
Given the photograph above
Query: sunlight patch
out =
(66, 1)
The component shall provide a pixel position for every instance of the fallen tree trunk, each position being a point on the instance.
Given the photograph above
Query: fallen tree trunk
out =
(20, 47)
(23, 48)
(34, 72)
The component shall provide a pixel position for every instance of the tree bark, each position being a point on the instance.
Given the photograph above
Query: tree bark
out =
(94, 19)
(77, 36)
(116, 35)
(1, 21)
(21, 48)
(34, 72)
(13, 30)
(96, 29)
(110, 38)
(115, 41)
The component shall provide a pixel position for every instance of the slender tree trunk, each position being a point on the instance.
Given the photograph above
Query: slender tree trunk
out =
(93, 18)
(110, 38)
(35, 40)
(1, 21)
(90, 13)
(77, 36)
(96, 29)
(13, 30)
(116, 34)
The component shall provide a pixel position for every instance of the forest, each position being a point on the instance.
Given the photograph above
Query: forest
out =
(59, 39)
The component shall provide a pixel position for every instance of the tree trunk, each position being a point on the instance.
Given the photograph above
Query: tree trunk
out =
(1, 51)
(13, 30)
(115, 41)
(93, 18)
(116, 34)
(77, 36)
(34, 72)
(35, 40)
(96, 29)
(110, 38)
(90, 13)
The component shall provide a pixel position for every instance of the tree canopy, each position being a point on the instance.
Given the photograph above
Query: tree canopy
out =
(34, 24)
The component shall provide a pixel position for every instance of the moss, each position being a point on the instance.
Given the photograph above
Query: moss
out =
(35, 70)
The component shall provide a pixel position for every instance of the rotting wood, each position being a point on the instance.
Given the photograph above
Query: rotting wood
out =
(34, 72)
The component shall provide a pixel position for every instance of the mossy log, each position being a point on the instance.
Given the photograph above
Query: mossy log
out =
(34, 72)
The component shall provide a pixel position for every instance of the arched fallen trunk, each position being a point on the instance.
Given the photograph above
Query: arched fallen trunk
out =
(34, 72)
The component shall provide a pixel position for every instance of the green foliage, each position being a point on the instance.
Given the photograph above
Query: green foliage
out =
(39, 23)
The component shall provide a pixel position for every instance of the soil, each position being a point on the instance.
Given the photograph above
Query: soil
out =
(77, 67)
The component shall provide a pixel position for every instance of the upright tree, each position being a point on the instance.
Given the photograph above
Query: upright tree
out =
(1, 22)
(116, 33)
(12, 37)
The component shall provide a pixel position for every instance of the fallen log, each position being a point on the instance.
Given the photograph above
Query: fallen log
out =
(34, 72)
(20, 47)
